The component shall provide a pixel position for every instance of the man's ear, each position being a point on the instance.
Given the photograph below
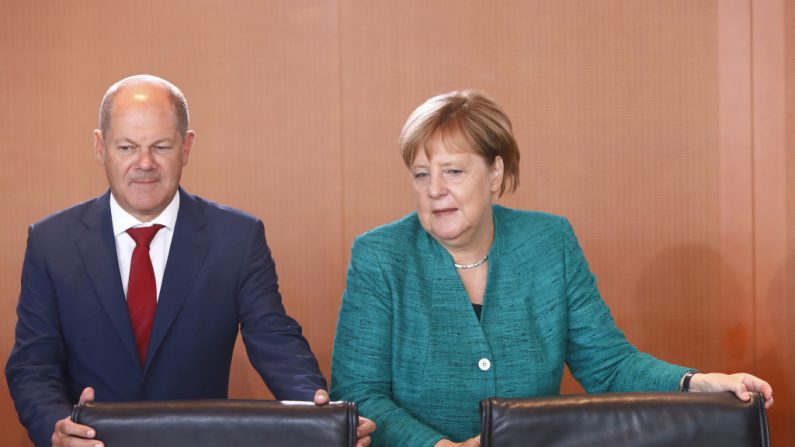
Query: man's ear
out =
(187, 145)
(99, 146)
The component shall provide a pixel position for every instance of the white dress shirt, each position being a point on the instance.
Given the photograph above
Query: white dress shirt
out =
(158, 249)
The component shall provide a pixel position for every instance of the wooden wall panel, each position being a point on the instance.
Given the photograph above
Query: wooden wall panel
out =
(774, 307)
(663, 129)
(773, 336)
(736, 184)
(788, 365)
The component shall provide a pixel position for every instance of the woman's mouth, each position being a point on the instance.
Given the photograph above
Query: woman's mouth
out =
(444, 211)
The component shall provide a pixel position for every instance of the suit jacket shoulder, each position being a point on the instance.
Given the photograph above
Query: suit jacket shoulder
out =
(62, 225)
(218, 211)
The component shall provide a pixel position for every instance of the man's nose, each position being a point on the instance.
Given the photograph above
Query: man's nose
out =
(145, 160)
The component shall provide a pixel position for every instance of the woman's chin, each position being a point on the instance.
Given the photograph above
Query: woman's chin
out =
(446, 234)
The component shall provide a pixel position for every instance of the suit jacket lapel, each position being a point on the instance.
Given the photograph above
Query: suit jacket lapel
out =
(188, 251)
(98, 252)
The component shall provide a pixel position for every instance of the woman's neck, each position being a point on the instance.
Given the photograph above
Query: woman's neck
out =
(473, 248)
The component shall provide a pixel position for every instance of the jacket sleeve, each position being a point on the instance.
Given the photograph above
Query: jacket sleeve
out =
(598, 354)
(274, 342)
(35, 370)
(361, 362)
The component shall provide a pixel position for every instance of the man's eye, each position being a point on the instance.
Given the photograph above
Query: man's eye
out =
(163, 148)
(125, 148)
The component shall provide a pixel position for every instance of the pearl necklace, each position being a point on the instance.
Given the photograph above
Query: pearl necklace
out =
(473, 265)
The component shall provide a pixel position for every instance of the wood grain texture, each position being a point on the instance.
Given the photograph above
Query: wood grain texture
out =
(787, 418)
(773, 307)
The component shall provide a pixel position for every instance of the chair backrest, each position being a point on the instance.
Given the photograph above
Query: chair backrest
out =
(212, 423)
(626, 419)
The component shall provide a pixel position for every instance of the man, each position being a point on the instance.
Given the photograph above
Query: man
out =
(138, 294)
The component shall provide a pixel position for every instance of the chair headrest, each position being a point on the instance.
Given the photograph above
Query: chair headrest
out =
(205, 423)
(626, 419)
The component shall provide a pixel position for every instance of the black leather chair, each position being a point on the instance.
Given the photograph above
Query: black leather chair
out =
(220, 423)
(626, 419)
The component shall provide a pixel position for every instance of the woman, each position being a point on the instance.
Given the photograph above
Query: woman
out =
(465, 299)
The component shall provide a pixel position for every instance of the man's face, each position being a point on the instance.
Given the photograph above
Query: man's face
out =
(143, 152)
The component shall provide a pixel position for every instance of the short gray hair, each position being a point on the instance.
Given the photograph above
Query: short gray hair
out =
(178, 101)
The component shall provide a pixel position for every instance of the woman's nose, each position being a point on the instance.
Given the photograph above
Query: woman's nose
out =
(437, 187)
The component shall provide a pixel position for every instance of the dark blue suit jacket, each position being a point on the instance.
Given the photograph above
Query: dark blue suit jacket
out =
(74, 331)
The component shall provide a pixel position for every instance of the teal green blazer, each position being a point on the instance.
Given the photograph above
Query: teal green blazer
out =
(410, 351)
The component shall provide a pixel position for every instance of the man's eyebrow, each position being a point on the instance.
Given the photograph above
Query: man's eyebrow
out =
(156, 142)
(127, 140)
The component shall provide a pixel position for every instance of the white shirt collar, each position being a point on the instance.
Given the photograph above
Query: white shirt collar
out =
(122, 220)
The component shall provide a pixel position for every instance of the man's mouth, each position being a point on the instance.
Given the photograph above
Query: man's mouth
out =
(144, 181)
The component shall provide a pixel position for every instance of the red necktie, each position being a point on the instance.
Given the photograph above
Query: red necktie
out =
(142, 288)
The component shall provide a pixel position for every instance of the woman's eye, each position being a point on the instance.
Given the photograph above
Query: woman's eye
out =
(420, 175)
(455, 171)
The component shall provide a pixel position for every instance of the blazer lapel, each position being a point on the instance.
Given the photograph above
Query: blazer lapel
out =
(449, 297)
(189, 247)
(98, 252)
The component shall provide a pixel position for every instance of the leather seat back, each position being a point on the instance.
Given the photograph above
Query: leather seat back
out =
(626, 419)
(212, 423)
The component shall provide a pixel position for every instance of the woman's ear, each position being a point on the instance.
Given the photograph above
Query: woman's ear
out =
(496, 171)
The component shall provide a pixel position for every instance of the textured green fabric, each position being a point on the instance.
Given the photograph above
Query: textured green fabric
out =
(408, 342)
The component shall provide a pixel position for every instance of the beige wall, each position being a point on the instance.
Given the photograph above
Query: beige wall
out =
(662, 128)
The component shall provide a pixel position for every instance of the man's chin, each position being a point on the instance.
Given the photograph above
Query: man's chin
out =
(149, 207)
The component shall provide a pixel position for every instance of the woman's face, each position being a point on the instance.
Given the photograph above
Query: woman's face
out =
(454, 191)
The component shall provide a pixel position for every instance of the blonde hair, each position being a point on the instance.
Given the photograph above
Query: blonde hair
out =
(473, 115)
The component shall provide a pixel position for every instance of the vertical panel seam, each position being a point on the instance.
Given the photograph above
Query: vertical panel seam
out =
(341, 124)
(752, 167)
